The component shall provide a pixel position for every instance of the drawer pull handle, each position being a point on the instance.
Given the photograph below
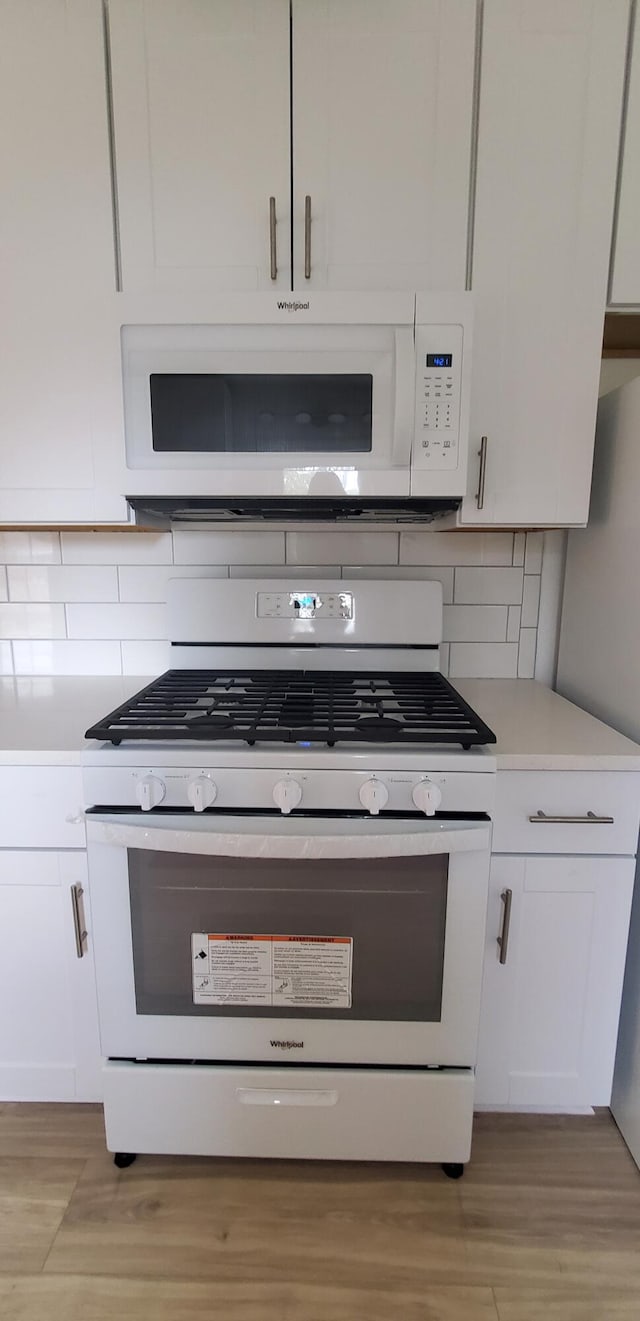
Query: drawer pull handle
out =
(503, 938)
(591, 819)
(286, 1096)
(79, 929)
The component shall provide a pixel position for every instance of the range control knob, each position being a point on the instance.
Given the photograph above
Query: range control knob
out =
(374, 795)
(287, 795)
(201, 792)
(427, 797)
(149, 792)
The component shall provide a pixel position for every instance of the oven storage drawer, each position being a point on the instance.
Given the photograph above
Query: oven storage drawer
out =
(573, 812)
(319, 1114)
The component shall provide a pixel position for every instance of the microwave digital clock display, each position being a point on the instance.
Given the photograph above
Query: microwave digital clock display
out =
(439, 360)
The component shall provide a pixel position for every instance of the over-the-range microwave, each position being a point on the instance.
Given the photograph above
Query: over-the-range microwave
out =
(329, 397)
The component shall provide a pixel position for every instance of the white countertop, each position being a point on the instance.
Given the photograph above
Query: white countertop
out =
(539, 730)
(42, 722)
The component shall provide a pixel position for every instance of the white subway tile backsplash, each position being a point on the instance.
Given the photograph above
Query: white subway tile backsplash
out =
(404, 572)
(116, 547)
(148, 658)
(233, 547)
(94, 603)
(513, 623)
(519, 542)
(533, 553)
(527, 653)
(475, 623)
(530, 600)
(29, 548)
(284, 571)
(117, 621)
(478, 548)
(342, 547)
(31, 621)
(62, 582)
(67, 657)
(488, 586)
(483, 660)
(148, 582)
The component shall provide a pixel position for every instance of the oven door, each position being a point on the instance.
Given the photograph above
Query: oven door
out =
(269, 410)
(337, 940)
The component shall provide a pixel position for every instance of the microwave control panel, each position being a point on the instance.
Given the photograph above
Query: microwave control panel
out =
(438, 389)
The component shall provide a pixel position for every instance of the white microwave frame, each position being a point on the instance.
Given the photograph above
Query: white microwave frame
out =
(370, 333)
(451, 1041)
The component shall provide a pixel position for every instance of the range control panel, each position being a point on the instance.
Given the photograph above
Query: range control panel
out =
(304, 605)
(438, 387)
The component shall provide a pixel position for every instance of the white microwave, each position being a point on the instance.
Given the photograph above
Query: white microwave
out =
(324, 395)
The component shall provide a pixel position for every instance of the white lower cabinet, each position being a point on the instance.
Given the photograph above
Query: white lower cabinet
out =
(550, 1011)
(49, 1049)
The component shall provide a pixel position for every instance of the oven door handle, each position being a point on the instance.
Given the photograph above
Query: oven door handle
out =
(287, 838)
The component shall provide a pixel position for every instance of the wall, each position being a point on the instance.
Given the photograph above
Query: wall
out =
(93, 603)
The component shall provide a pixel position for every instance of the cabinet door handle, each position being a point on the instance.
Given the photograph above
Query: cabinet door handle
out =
(590, 819)
(79, 928)
(273, 253)
(307, 237)
(482, 452)
(503, 938)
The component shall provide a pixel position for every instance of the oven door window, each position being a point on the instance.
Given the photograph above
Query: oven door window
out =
(232, 413)
(393, 910)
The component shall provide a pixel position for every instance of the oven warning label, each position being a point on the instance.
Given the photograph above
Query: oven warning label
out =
(306, 972)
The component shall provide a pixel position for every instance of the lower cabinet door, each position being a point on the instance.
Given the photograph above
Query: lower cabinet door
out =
(49, 1047)
(550, 1008)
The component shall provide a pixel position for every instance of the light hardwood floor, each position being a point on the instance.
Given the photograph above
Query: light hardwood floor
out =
(545, 1225)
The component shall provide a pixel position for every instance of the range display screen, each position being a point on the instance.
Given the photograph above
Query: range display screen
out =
(439, 360)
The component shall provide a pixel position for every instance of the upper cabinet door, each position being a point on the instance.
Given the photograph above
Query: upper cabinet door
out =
(382, 122)
(549, 119)
(625, 276)
(200, 103)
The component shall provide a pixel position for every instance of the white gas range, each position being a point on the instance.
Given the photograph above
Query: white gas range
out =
(289, 838)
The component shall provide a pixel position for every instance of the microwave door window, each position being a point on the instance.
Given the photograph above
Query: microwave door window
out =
(390, 913)
(234, 413)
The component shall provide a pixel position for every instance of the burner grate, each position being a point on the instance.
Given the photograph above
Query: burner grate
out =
(296, 706)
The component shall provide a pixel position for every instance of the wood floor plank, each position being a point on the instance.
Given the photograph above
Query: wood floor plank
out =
(101, 1298)
(36, 1129)
(299, 1222)
(34, 1195)
(535, 1305)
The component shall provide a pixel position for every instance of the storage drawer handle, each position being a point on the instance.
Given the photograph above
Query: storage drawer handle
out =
(591, 819)
(273, 254)
(503, 938)
(79, 929)
(286, 1096)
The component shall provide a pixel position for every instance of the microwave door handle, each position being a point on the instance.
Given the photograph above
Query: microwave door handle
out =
(404, 396)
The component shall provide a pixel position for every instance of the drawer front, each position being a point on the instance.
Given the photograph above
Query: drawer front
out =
(566, 812)
(308, 1114)
(41, 807)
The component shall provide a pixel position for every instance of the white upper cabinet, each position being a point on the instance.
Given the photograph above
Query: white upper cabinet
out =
(382, 120)
(59, 370)
(200, 105)
(551, 87)
(625, 275)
